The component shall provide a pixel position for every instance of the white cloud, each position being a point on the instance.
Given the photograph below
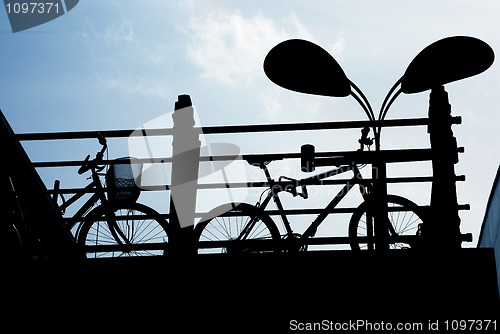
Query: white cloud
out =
(155, 58)
(121, 32)
(122, 59)
(281, 104)
(229, 48)
(133, 84)
(272, 106)
(338, 45)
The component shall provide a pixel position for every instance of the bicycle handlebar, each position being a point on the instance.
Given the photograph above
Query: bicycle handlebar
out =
(85, 167)
(102, 139)
(87, 164)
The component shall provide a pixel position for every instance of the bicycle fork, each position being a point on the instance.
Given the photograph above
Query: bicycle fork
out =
(117, 232)
(391, 232)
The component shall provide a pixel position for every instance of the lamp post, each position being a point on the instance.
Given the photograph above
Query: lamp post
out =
(305, 67)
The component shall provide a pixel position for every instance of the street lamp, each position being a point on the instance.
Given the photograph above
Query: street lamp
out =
(305, 67)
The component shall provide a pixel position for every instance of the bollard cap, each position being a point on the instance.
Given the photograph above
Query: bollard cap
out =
(183, 101)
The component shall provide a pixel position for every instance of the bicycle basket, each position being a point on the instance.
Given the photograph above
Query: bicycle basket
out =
(121, 182)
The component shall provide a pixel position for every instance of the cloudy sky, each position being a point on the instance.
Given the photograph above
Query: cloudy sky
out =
(119, 64)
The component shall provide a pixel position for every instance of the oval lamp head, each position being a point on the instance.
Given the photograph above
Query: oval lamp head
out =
(447, 60)
(305, 67)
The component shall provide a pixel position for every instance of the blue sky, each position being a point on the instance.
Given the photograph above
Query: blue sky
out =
(119, 64)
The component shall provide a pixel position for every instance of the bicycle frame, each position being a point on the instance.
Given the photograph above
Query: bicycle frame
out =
(98, 195)
(87, 206)
(277, 187)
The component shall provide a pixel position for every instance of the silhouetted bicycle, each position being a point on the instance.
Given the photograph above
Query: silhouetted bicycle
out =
(241, 229)
(118, 225)
(14, 232)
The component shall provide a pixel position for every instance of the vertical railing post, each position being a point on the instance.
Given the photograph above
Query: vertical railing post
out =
(443, 228)
(184, 178)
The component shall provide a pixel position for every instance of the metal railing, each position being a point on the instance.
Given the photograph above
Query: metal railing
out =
(387, 156)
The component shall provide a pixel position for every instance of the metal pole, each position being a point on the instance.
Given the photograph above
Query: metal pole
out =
(379, 205)
(185, 165)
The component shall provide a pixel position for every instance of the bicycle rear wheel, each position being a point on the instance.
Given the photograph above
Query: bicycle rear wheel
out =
(241, 228)
(404, 215)
(142, 232)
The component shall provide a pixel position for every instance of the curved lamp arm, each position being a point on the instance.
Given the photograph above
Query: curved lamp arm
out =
(444, 61)
(362, 100)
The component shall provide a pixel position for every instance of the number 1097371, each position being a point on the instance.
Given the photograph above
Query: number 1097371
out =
(32, 8)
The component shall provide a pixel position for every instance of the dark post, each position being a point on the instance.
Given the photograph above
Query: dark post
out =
(185, 165)
(443, 227)
(379, 209)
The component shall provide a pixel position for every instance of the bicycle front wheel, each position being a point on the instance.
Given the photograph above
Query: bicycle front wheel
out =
(134, 230)
(240, 230)
(404, 217)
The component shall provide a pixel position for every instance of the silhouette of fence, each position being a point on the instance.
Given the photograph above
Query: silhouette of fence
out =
(384, 156)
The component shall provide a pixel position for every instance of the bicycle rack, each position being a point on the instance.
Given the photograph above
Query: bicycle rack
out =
(321, 158)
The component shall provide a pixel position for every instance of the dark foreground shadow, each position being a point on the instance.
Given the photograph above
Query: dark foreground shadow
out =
(277, 293)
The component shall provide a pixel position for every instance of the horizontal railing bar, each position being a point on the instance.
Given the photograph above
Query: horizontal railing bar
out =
(264, 244)
(231, 129)
(77, 163)
(257, 184)
(283, 244)
(386, 156)
(462, 207)
(72, 135)
(320, 125)
(265, 184)
(323, 158)
(342, 210)
(127, 248)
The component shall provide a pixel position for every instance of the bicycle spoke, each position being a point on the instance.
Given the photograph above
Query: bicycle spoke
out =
(133, 226)
(241, 225)
(403, 217)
